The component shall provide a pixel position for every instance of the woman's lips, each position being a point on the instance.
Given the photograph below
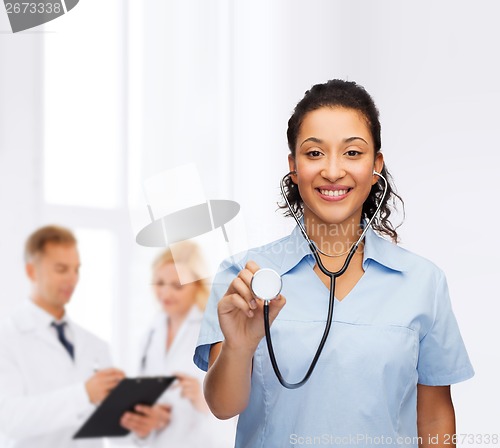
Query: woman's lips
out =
(336, 193)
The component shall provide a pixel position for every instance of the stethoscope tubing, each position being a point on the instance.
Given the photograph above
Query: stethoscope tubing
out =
(326, 332)
(331, 303)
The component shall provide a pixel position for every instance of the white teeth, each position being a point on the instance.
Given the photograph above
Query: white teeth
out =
(333, 192)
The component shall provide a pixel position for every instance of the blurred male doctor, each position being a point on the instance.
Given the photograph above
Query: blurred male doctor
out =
(48, 383)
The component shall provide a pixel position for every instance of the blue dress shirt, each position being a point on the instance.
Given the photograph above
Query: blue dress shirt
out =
(393, 330)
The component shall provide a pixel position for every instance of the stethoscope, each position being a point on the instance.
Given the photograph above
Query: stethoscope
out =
(266, 285)
(144, 357)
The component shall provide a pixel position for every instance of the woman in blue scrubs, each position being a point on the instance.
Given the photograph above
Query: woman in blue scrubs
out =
(384, 375)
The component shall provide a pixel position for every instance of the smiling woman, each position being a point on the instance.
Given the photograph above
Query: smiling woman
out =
(350, 112)
(393, 331)
(336, 144)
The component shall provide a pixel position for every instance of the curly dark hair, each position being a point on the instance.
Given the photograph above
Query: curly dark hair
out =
(349, 95)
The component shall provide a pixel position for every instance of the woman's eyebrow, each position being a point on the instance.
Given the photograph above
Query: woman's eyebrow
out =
(351, 139)
(319, 141)
(311, 139)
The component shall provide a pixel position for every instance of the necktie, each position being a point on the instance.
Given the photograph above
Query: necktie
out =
(62, 338)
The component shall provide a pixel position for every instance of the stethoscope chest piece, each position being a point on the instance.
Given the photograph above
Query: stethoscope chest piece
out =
(266, 284)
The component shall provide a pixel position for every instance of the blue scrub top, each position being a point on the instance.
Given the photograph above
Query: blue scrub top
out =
(393, 330)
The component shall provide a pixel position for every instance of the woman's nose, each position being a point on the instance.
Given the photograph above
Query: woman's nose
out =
(165, 290)
(333, 169)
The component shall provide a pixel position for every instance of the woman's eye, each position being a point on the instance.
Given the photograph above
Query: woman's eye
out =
(161, 284)
(314, 153)
(353, 153)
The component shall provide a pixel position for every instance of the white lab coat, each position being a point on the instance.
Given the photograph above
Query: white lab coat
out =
(43, 400)
(189, 428)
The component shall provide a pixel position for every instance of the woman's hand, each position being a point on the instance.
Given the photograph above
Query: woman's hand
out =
(145, 419)
(241, 318)
(241, 315)
(191, 389)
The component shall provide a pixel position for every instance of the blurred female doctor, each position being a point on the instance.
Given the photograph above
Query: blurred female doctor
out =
(181, 418)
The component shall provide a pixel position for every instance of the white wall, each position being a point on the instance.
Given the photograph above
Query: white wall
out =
(21, 132)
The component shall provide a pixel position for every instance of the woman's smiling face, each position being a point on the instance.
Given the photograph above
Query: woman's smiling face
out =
(334, 160)
(175, 298)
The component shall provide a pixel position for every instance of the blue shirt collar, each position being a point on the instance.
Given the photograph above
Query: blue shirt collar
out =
(384, 252)
(378, 249)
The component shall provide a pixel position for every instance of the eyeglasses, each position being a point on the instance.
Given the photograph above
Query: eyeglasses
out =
(174, 286)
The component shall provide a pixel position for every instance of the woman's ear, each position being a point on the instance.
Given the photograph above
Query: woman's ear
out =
(293, 168)
(378, 166)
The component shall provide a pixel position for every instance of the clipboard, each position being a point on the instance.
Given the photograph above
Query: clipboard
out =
(105, 420)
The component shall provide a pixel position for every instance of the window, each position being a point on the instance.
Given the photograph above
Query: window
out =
(84, 152)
